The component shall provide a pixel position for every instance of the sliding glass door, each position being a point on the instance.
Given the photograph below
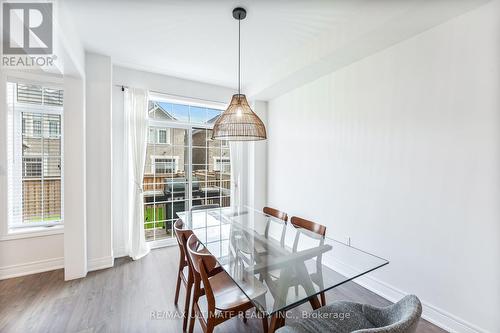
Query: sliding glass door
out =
(183, 166)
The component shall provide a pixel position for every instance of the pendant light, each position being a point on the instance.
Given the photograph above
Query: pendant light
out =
(239, 122)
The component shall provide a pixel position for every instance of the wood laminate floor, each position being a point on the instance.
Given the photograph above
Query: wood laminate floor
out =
(123, 298)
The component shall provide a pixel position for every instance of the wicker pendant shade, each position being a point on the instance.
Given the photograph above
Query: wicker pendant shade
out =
(239, 122)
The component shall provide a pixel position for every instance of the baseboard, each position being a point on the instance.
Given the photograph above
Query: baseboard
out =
(100, 263)
(430, 312)
(33, 267)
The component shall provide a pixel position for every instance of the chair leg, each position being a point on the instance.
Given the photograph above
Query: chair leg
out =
(323, 299)
(194, 301)
(244, 316)
(264, 324)
(210, 327)
(178, 287)
(187, 302)
(277, 321)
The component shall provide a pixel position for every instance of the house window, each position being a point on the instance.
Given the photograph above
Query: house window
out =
(165, 165)
(162, 136)
(159, 136)
(222, 164)
(35, 158)
(32, 167)
(53, 128)
(37, 128)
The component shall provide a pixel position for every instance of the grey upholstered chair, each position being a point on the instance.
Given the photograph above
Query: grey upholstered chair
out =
(343, 317)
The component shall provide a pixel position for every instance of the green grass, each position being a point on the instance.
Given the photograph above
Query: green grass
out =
(49, 218)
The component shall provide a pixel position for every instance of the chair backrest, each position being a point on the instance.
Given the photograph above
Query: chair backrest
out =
(275, 229)
(308, 225)
(204, 266)
(201, 207)
(276, 213)
(182, 235)
(402, 316)
(202, 260)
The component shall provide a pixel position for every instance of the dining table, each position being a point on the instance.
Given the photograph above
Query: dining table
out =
(293, 264)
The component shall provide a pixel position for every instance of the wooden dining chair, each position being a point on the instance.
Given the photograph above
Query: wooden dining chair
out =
(185, 271)
(316, 228)
(216, 292)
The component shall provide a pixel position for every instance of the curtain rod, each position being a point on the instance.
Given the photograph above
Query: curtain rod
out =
(123, 87)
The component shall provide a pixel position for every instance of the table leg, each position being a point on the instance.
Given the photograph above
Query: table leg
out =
(306, 282)
(315, 303)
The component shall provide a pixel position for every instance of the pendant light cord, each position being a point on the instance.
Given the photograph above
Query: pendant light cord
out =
(239, 55)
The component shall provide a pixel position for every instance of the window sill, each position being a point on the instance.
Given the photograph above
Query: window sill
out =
(19, 233)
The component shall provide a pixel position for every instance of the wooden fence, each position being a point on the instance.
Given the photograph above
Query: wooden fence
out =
(36, 202)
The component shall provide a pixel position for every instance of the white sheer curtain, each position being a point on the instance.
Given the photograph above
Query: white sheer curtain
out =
(136, 109)
(236, 152)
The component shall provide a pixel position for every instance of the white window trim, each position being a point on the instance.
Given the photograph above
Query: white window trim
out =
(15, 231)
(19, 233)
(187, 101)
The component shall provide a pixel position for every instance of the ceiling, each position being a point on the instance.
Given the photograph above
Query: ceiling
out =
(284, 43)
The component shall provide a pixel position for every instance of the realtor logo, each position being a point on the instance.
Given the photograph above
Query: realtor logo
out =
(27, 28)
(27, 35)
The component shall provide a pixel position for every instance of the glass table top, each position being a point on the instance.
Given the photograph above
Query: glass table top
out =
(292, 264)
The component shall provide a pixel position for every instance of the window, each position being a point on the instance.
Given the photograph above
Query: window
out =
(162, 136)
(35, 155)
(36, 94)
(159, 135)
(222, 164)
(181, 170)
(53, 128)
(37, 128)
(32, 167)
(165, 165)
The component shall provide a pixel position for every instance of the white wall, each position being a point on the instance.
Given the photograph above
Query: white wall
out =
(75, 224)
(119, 176)
(98, 161)
(170, 85)
(401, 152)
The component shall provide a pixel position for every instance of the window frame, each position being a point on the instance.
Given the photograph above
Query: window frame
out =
(189, 127)
(16, 226)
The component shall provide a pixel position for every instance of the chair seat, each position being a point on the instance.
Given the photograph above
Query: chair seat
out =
(229, 296)
(338, 317)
